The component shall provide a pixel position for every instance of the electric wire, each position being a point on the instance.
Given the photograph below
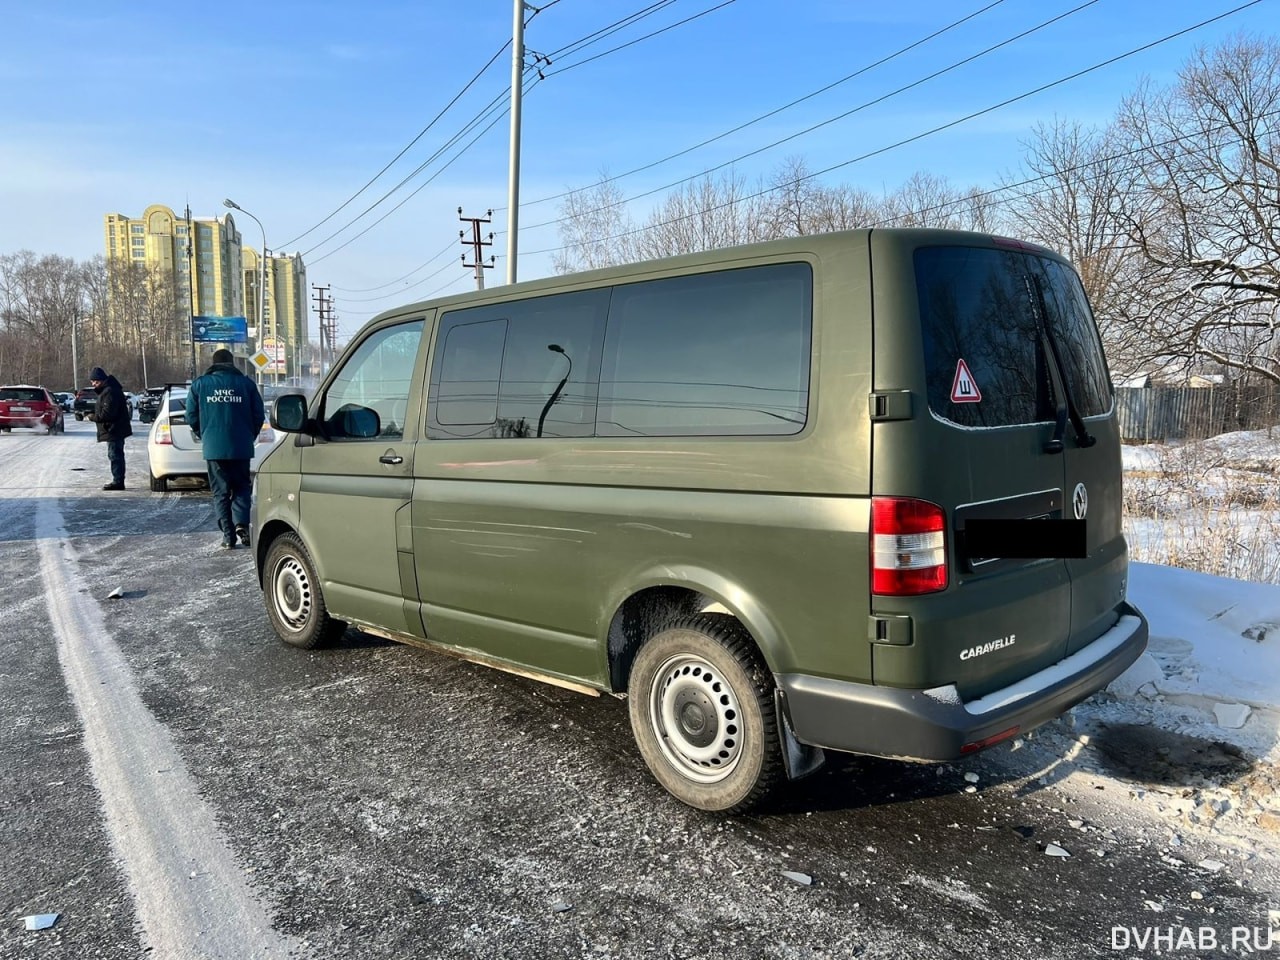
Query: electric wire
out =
(420, 266)
(848, 113)
(479, 118)
(648, 36)
(407, 146)
(926, 133)
(778, 110)
(411, 195)
(492, 106)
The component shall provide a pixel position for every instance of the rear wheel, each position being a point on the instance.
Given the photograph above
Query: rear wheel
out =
(295, 604)
(700, 700)
(159, 484)
(79, 416)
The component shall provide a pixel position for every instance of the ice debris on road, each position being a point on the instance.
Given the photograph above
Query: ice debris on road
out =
(116, 594)
(40, 921)
(803, 878)
(1053, 850)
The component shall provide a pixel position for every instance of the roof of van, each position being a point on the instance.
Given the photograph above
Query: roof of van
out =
(809, 243)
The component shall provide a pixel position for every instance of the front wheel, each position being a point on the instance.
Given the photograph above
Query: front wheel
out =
(295, 604)
(700, 700)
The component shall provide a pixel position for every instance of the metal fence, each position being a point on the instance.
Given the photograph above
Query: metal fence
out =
(1154, 414)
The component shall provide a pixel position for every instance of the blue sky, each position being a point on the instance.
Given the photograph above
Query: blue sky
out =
(302, 103)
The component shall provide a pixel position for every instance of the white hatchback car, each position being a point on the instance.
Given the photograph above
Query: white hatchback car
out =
(172, 452)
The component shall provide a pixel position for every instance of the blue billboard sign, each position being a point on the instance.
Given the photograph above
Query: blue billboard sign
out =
(219, 330)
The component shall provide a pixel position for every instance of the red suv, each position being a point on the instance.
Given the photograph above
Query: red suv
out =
(27, 406)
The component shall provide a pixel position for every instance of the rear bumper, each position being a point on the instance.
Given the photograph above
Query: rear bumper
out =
(21, 420)
(936, 724)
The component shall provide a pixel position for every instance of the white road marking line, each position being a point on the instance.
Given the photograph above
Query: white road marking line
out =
(192, 899)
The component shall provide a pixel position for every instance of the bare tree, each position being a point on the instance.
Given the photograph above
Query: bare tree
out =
(40, 300)
(1205, 208)
(926, 200)
(594, 228)
(1067, 195)
(705, 215)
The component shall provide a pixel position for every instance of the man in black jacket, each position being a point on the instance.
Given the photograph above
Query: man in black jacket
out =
(112, 415)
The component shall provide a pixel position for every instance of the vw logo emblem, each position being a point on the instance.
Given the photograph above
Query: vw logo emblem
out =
(1080, 501)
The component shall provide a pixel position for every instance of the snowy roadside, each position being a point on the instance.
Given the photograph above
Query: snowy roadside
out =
(1190, 735)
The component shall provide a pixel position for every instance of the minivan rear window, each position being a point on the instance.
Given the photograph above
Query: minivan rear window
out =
(984, 351)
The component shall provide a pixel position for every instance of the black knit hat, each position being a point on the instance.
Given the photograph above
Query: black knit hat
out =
(97, 373)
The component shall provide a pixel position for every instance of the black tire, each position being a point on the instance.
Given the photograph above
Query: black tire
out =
(159, 484)
(295, 604)
(79, 416)
(722, 752)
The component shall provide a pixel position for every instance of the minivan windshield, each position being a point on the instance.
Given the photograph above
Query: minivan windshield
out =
(984, 346)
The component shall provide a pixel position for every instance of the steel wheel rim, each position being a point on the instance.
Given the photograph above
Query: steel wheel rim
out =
(291, 593)
(695, 714)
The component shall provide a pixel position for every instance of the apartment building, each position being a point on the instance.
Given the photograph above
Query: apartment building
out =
(215, 274)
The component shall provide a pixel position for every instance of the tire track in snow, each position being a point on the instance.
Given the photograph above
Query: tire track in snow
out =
(192, 899)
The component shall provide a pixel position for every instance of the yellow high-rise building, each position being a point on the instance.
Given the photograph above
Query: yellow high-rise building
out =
(217, 275)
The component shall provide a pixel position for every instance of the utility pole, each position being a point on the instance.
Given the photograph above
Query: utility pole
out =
(513, 187)
(191, 291)
(476, 243)
(322, 305)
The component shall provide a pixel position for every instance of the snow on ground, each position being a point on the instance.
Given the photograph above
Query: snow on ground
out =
(1212, 666)
(1208, 687)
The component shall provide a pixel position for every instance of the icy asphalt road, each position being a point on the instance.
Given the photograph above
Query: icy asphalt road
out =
(175, 783)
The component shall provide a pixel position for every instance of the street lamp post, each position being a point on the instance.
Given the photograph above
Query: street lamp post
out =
(262, 287)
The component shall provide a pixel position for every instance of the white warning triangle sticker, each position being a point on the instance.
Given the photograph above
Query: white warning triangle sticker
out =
(964, 389)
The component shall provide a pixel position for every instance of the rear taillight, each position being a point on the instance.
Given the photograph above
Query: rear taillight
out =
(908, 547)
(164, 434)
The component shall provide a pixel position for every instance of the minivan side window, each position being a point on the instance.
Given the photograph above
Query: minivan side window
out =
(370, 395)
(713, 354)
(523, 369)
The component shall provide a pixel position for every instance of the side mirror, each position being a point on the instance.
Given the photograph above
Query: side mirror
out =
(289, 413)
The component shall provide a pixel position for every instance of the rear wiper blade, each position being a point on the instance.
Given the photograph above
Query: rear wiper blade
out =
(1057, 375)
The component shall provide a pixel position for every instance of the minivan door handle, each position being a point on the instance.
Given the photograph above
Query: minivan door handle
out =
(391, 458)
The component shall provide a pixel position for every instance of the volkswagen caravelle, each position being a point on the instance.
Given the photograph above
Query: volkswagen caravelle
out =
(741, 489)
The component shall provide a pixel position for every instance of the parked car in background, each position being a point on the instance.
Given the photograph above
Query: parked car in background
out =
(65, 400)
(85, 401)
(24, 405)
(173, 453)
(148, 404)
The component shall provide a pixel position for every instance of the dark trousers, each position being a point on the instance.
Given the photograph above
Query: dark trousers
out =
(232, 487)
(115, 457)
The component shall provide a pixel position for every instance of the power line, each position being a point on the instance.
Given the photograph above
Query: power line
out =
(648, 36)
(397, 293)
(765, 116)
(470, 125)
(848, 113)
(421, 186)
(405, 150)
(479, 118)
(1099, 161)
(452, 140)
(420, 266)
(926, 133)
(598, 35)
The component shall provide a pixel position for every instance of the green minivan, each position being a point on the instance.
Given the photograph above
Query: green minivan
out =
(858, 491)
